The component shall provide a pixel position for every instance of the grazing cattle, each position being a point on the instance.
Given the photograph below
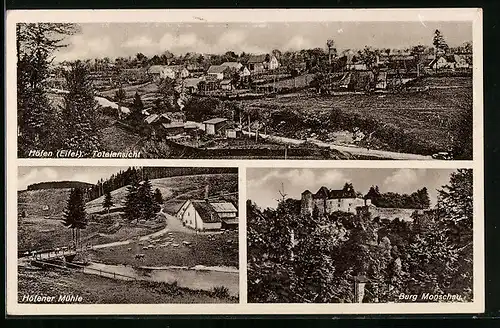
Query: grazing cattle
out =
(139, 256)
(145, 247)
(129, 249)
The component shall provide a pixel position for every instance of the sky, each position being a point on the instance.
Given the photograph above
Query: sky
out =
(127, 39)
(30, 175)
(264, 184)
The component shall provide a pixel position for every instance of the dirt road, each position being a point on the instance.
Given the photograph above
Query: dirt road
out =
(383, 154)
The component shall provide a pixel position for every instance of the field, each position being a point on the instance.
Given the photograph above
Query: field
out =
(147, 91)
(115, 138)
(301, 81)
(427, 117)
(101, 290)
(205, 249)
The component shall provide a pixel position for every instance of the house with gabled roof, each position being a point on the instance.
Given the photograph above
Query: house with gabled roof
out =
(205, 215)
(263, 62)
(170, 71)
(218, 71)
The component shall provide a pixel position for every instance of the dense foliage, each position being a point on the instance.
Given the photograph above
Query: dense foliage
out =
(126, 177)
(314, 259)
(418, 199)
(59, 185)
(75, 217)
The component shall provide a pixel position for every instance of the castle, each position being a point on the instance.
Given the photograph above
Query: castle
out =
(327, 201)
(330, 200)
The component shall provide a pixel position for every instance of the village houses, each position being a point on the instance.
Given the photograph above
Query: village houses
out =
(261, 63)
(170, 71)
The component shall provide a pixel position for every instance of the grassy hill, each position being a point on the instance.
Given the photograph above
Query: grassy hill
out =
(43, 202)
(176, 190)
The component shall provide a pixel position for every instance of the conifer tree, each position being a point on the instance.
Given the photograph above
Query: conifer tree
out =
(108, 201)
(79, 112)
(145, 200)
(74, 216)
(158, 197)
(132, 210)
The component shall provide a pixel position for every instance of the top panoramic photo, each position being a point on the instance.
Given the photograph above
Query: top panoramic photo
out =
(278, 90)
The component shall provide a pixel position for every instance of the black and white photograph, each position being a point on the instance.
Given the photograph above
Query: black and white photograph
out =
(359, 235)
(329, 90)
(127, 235)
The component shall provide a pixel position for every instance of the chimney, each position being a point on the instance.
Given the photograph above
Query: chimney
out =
(206, 192)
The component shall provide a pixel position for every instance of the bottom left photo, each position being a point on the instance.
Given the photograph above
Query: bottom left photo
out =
(127, 235)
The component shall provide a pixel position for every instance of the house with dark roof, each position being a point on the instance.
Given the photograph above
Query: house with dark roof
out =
(215, 125)
(203, 215)
(218, 71)
(262, 63)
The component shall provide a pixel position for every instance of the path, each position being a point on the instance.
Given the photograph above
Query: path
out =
(348, 149)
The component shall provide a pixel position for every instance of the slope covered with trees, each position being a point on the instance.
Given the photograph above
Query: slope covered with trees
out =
(314, 259)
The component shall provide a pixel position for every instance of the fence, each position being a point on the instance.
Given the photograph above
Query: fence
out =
(84, 269)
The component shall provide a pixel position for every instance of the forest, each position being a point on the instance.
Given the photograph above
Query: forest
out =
(59, 185)
(294, 258)
(125, 177)
(418, 199)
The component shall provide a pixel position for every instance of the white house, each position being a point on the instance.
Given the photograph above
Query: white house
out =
(218, 71)
(203, 215)
(170, 71)
(260, 63)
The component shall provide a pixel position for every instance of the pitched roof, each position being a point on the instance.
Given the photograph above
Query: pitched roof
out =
(322, 192)
(235, 65)
(151, 118)
(225, 82)
(155, 69)
(173, 125)
(215, 69)
(176, 68)
(257, 58)
(335, 194)
(223, 207)
(205, 211)
(215, 120)
(192, 82)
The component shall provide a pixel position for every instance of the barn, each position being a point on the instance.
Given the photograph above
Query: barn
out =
(214, 125)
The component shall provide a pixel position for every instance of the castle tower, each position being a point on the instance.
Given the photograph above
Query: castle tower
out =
(306, 203)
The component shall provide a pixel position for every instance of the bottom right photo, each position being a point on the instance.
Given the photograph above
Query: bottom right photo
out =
(381, 235)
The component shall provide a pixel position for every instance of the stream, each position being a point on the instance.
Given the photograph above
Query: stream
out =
(199, 277)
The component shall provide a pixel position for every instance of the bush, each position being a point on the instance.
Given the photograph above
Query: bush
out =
(221, 292)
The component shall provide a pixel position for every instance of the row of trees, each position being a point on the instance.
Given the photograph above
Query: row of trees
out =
(141, 203)
(418, 199)
(126, 177)
(41, 124)
(313, 259)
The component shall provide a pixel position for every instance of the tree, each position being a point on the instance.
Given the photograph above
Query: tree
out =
(132, 209)
(456, 198)
(158, 197)
(136, 117)
(145, 201)
(108, 201)
(439, 42)
(330, 44)
(74, 216)
(37, 119)
(120, 96)
(80, 111)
